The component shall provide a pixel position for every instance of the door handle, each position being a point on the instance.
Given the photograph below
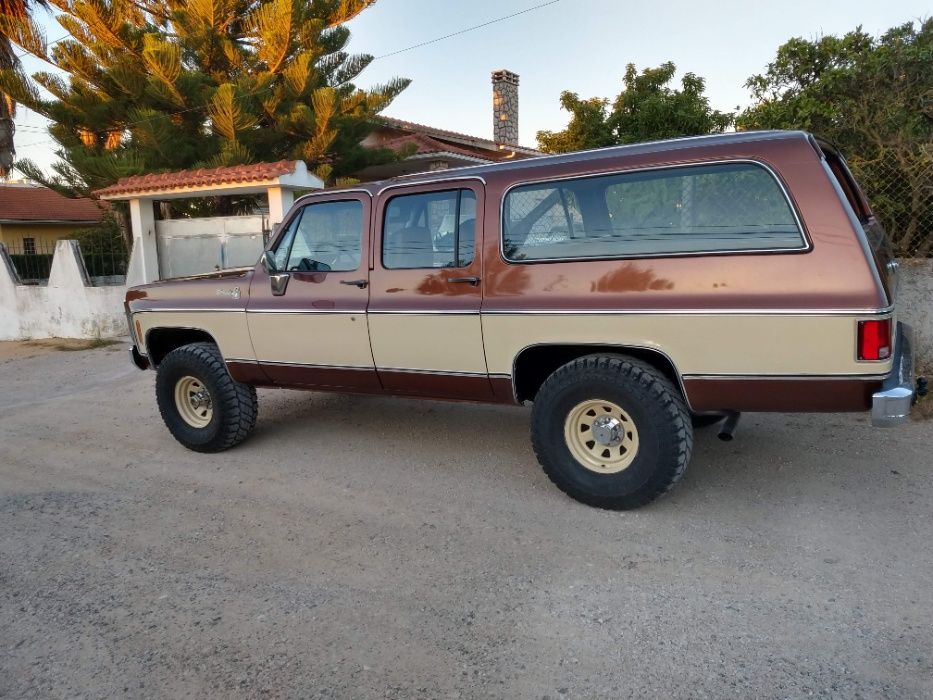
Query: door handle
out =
(362, 284)
(472, 281)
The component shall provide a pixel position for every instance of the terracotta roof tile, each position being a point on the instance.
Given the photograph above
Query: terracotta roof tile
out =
(204, 176)
(30, 203)
(425, 144)
(442, 133)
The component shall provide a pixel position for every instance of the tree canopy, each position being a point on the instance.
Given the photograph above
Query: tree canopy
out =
(14, 15)
(647, 108)
(872, 97)
(161, 85)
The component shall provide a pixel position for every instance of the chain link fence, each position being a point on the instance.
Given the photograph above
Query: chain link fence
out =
(901, 196)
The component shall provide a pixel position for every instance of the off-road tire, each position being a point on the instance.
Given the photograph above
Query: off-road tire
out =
(655, 406)
(234, 405)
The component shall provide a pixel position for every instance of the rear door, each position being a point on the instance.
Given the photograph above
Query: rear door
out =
(424, 312)
(308, 320)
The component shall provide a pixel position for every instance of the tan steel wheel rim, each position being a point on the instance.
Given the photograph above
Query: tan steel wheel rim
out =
(601, 436)
(193, 401)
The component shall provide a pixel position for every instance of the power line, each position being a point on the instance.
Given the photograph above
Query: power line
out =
(468, 29)
(376, 58)
(51, 43)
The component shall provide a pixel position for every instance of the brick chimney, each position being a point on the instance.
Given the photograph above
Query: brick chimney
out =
(505, 107)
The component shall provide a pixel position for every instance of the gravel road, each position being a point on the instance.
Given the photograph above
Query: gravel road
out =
(375, 548)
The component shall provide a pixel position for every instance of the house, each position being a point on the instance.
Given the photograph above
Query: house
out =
(439, 149)
(33, 218)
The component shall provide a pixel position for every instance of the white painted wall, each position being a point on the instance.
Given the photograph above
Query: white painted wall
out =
(68, 307)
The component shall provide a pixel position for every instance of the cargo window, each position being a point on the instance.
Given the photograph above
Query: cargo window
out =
(431, 229)
(710, 208)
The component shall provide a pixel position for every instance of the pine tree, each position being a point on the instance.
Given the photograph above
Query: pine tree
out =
(16, 27)
(163, 85)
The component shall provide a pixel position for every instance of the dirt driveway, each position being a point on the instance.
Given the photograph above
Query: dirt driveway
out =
(373, 548)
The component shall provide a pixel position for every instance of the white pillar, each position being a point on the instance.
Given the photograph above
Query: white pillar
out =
(280, 201)
(144, 260)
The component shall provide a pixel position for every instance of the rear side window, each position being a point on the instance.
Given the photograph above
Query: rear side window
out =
(431, 229)
(697, 209)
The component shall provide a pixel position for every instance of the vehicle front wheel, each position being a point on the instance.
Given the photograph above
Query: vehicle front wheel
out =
(611, 431)
(204, 408)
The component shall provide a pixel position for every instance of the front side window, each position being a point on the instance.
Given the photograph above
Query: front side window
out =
(323, 237)
(432, 229)
(696, 209)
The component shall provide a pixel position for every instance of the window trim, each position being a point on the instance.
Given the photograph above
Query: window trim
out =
(805, 248)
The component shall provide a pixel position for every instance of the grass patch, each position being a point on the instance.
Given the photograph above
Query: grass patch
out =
(94, 343)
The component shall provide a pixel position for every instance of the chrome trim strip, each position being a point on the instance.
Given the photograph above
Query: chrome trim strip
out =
(789, 377)
(790, 202)
(424, 312)
(303, 312)
(440, 372)
(433, 181)
(545, 312)
(172, 310)
(369, 368)
(699, 312)
(336, 191)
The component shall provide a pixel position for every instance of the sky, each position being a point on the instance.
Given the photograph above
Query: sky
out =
(577, 45)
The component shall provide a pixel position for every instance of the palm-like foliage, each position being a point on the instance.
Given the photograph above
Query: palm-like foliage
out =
(159, 85)
(15, 26)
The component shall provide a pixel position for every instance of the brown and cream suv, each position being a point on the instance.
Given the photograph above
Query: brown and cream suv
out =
(628, 293)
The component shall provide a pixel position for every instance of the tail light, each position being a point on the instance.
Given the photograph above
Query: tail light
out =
(874, 339)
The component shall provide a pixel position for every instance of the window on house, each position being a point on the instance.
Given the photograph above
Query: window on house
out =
(432, 229)
(696, 209)
(29, 246)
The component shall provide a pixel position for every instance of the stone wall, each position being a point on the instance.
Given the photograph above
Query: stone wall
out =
(505, 107)
(67, 307)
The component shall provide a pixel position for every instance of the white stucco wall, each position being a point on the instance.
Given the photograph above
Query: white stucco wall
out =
(68, 307)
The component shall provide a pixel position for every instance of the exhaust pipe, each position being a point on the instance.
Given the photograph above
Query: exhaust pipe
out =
(727, 429)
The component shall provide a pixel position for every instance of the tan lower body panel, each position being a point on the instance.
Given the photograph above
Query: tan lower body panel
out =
(697, 344)
(441, 342)
(336, 339)
(227, 328)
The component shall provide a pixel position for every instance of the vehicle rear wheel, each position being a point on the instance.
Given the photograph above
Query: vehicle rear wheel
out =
(204, 408)
(611, 431)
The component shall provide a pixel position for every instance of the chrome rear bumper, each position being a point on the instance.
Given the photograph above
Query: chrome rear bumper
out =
(891, 404)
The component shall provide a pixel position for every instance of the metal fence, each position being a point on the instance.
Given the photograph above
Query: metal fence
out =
(902, 199)
(105, 259)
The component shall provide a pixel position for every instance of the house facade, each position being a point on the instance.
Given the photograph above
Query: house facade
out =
(34, 218)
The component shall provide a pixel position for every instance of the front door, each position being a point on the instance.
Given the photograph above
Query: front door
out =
(307, 318)
(425, 299)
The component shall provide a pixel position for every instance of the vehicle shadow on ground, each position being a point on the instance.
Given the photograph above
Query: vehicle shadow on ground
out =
(774, 456)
